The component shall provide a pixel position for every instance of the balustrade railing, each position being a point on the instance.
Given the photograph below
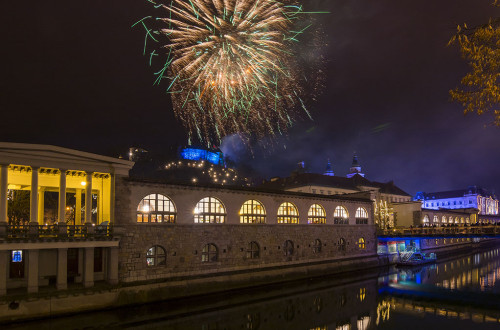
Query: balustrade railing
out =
(58, 231)
(430, 231)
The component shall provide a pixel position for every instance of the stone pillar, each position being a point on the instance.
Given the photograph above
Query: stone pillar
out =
(62, 269)
(33, 271)
(112, 200)
(88, 199)
(61, 215)
(78, 207)
(112, 263)
(4, 173)
(41, 206)
(34, 196)
(4, 261)
(88, 267)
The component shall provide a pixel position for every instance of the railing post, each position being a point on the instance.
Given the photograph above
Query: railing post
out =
(33, 229)
(62, 230)
(3, 229)
(90, 229)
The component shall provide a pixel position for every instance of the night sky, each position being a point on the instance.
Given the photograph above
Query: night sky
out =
(73, 75)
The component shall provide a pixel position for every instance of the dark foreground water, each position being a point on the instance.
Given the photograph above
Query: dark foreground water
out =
(461, 293)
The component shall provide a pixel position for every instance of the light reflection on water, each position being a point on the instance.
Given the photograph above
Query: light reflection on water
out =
(425, 297)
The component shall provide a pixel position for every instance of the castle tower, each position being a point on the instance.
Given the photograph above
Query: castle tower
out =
(355, 168)
(329, 170)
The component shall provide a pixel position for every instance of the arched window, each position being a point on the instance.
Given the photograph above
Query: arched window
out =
(456, 219)
(450, 220)
(209, 210)
(288, 213)
(361, 216)
(341, 244)
(435, 219)
(252, 211)
(210, 253)
(426, 220)
(288, 248)
(317, 246)
(156, 208)
(443, 219)
(340, 216)
(462, 220)
(156, 256)
(361, 243)
(253, 251)
(316, 214)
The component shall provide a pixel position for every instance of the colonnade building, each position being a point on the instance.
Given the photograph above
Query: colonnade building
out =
(168, 240)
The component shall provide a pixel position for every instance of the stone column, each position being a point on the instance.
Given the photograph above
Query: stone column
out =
(34, 196)
(4, 172)
(88, 199)
(41, 206)
(112, 199)
(88, 267)
(62, 269)
(61, 215)
(4, 261)
(33, 271)
(112, 264)
(78, 207)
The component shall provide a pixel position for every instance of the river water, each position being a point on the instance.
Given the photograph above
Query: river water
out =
(459, 293)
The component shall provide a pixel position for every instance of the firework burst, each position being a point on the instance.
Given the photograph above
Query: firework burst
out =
(230, 65)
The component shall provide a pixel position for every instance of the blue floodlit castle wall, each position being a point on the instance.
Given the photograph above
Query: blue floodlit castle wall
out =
(472, 197)
(213, 156)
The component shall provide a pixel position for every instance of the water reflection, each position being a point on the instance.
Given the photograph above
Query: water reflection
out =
(400, 298)
(478, 272)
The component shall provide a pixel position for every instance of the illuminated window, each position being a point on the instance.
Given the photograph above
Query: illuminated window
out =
(361, 216)
(210, 253)
(462, 220)
(253, 251)
(450, 220)
(209, 210)
(435, 219)
(341, 244)
(443, 219)
(156, 208)
(252, 211)
(362, 294)
(340, 216)
(288, 213)
(288, 248)
(456, 219)
(361, 243)
(426, 220)
(317, 246)
(156, 256)
(316, 214)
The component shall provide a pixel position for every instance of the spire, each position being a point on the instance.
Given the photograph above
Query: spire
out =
(355, 167)
(329, 170)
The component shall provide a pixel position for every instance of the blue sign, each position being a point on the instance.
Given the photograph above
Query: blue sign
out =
(17, 256)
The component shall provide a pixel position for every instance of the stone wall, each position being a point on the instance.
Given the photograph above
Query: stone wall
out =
(184, 245)
(184, 240)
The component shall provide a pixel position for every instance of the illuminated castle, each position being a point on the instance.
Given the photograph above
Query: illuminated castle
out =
(214, 156)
